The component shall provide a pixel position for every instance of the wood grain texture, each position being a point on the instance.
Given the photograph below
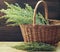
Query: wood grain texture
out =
(9, 33)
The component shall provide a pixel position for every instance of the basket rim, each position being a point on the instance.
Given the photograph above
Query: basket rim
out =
(42, 25)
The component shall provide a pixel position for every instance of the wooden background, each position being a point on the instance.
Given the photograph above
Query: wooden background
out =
(14, 33)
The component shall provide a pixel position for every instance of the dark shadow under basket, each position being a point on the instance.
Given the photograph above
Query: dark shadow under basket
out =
(41, 33)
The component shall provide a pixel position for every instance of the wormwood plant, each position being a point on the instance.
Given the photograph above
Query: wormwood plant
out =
(35, 46)
(18, 15)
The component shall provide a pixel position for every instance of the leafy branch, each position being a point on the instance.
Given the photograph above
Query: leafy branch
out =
(18, 15)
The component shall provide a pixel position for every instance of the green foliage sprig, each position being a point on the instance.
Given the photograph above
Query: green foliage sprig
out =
(18, 15)
(35, 46)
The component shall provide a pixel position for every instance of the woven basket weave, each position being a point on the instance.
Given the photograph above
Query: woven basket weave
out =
(41, 33)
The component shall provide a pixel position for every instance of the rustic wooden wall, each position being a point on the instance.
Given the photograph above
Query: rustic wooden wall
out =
(14, 33)
(10, 33)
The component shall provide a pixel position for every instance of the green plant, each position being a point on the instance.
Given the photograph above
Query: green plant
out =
(18, 15)
(35, 46)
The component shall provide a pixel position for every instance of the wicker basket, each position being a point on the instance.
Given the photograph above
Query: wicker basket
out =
(41, 33)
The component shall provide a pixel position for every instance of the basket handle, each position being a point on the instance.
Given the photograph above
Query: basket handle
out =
(45, 8)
